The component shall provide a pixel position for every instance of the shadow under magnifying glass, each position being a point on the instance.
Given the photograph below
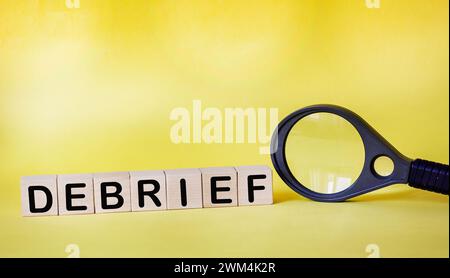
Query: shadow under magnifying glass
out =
(392, 193)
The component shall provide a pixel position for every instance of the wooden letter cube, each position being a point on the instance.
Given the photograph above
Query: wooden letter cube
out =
(254, 185)
(184, 188)
(219, 187)
(39, 195)
(148, 190)
(76, 194)
(112, 192)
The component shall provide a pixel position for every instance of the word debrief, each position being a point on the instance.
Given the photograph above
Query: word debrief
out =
(146, 190)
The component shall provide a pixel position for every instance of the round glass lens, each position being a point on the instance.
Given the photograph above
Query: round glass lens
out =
(325, 153)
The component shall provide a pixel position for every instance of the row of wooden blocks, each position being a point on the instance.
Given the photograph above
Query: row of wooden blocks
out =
(146, 190)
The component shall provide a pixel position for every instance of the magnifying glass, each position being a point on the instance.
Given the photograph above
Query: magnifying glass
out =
(328, 153)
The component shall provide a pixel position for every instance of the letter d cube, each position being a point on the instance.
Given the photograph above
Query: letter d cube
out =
(39, 195)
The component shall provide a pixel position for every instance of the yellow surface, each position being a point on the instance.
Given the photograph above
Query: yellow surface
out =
(91, 89)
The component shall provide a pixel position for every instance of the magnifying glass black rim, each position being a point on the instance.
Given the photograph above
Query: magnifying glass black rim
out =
(374, 146)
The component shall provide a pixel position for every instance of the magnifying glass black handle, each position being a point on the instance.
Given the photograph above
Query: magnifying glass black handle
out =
(428, 175)
(422, 174)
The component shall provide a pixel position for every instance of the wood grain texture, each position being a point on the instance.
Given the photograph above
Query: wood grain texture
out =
(117, 184)
(184, 188)
(39, 195)
(81, 189)
(254, 185)
(219, 187)
(148, 190)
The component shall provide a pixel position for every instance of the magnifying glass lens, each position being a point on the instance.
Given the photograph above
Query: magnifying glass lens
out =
(325, 153)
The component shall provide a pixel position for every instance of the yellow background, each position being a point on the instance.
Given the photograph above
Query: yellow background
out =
(91, 89)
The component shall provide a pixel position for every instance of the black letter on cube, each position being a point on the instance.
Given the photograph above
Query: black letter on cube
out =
(115, 194)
